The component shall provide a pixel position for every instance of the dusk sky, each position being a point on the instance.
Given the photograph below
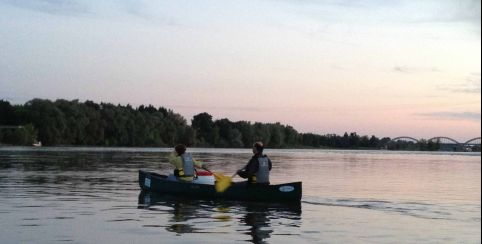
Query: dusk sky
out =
(384, 68)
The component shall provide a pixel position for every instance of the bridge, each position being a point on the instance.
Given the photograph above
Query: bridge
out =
(446, 143)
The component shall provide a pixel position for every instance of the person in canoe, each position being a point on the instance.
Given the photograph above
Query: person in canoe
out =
(184, 163)
(258, 167)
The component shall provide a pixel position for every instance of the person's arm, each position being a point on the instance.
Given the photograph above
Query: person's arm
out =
(200, 165)
(270, 164)
(250, 169)
(174, 160)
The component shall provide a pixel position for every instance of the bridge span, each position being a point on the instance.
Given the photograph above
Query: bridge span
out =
(446, 143)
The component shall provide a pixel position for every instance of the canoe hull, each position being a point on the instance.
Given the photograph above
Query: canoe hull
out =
(289, 192)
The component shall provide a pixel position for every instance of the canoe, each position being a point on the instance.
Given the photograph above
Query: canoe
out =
(287, 192)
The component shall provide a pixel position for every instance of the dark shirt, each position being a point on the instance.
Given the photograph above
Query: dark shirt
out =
(252, 167)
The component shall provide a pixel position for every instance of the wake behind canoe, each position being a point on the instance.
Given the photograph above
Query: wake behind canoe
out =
(288, 192)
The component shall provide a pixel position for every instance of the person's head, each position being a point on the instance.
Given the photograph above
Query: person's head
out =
(258, 147)
(180, 149)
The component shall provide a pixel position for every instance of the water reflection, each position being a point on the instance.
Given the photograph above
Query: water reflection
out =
(187, 215)
(257, 219)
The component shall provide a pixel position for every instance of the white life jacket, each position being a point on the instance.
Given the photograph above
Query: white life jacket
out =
(262, 175)
(187, 165)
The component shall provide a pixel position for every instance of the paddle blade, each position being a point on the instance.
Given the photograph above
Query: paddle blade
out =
(218, 176)
(222, 182)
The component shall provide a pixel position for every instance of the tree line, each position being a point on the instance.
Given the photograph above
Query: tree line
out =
(64, 122)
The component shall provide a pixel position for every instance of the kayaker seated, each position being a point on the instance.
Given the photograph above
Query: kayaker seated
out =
(258, 167)
(184, 163)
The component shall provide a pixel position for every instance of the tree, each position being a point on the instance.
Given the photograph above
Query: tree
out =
(354, 140)
(235, 138)
(276, 135)
(291, 136)
(7, 113)
(345, 141)
(261, 133)
(205, 130)
(48, 119)
(247, 132)
(374, 142)
(89, 123)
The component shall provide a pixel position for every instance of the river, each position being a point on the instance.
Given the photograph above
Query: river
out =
(91, 195)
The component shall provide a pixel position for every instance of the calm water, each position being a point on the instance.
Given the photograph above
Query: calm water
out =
(91, 195)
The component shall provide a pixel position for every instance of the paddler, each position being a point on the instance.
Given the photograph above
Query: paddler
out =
(184, 163)
(258, 167)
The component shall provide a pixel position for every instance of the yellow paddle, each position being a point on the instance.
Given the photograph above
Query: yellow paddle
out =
(223, 182)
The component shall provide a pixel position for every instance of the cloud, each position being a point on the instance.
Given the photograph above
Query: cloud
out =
(471, 116)
(441, 13)
(57, 7)
(404, 12)
(132, 7)
(413, 70)
(471, 85)
(229, 108)
(460, 11)
(111, 9)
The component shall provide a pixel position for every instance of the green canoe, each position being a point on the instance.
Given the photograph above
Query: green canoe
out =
(288, 192)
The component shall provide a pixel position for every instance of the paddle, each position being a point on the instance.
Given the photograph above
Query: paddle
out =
(223, 182)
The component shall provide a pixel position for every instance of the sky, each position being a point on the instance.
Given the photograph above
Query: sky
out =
(383, 68)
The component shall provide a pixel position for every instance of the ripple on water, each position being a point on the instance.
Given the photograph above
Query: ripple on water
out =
(415, 209)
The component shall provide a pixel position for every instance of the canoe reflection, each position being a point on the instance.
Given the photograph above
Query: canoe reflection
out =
(188, 215)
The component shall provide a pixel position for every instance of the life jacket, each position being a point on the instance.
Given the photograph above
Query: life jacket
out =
(187, 166)
(262, 175)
